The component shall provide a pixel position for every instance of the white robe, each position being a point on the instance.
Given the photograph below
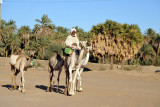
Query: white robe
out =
(70, 40)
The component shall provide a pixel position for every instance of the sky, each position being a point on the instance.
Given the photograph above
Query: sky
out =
(83, 13)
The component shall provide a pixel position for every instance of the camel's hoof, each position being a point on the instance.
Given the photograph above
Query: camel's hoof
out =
(15, 87)
(70, 81)
(51, 89)
(23, 91)
(57, 90)
(71, 93)
(80, 89)
(20, 89)
(65, 91)
(48, 90)
(11, 88)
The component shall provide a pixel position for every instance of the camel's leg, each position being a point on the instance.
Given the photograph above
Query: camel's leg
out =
(74, 80)
(80, 80)
(20, 85)
(12, 76)
(71, 89)
(15, 75)
(53, 77)
(66, 86)
(50, 80)
(59, 73)
(77, 80)
(22, 80)
(15, 85)
(65, 89)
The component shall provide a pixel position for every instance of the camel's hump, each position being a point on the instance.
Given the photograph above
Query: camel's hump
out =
(12, 59)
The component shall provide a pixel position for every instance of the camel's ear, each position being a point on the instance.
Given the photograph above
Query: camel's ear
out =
(29, 52)
(90, 47)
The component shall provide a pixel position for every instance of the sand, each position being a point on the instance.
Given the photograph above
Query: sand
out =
(101, 88)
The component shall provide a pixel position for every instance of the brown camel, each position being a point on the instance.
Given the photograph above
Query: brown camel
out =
(55, 63)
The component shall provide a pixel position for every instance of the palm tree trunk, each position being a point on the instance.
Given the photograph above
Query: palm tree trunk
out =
(103, 60)
(42, 52)
(12, 50)
(122, 64)
(43, 31)
(158, 49)
(6, 53)
(0, 33)
(111, 62)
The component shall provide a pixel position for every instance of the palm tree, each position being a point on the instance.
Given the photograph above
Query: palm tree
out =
(2, 49)
(82, 35)
(60, 35)
(13, 42)
(24, 33)
(116, 40)
(7, 29)
(44, 28)
(147, 53)
(150, 36)
(43, 43)
(62, 29)
(157, 40)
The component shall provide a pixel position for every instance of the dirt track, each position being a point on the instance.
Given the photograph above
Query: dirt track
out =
(101, 88)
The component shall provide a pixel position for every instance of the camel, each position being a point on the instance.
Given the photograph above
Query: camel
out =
(20, 65)
(71, 63)
(80, 68)
(55, 63)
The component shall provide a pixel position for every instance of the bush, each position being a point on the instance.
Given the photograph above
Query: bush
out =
(51, 49)
(157, 62)
(102, 68)
(38, 65)
(129, 68)
(146, 62)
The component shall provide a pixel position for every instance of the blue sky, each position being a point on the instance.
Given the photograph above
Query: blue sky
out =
(84, 13)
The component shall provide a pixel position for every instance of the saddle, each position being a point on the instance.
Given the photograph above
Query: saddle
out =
(69, 51)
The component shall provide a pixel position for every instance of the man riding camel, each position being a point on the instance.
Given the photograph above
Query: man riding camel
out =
(72, 43)
(72, 40)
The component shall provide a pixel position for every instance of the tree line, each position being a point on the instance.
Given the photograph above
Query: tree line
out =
(112, 42)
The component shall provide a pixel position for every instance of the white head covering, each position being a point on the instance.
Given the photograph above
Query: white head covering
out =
(73, 29)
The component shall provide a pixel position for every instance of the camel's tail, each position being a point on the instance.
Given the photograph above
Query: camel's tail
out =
(49, 68)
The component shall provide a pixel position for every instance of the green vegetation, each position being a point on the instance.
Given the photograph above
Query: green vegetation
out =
(112, 42)
(102, 68)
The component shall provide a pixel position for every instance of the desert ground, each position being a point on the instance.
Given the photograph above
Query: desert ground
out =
(139, 87)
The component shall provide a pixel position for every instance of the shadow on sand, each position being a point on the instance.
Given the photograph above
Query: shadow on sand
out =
(86, 69)
(61, 88)
(157, 71)
(9, 86)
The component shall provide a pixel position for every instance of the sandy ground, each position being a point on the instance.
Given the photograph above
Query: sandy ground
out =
(101, 88)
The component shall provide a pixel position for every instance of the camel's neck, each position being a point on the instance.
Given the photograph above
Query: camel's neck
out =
(82, 52)
(86, 59)
(80, 55)
(28, 62)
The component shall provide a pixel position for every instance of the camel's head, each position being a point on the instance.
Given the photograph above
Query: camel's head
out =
(83, 44)
(88, 49)
(32, 53)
